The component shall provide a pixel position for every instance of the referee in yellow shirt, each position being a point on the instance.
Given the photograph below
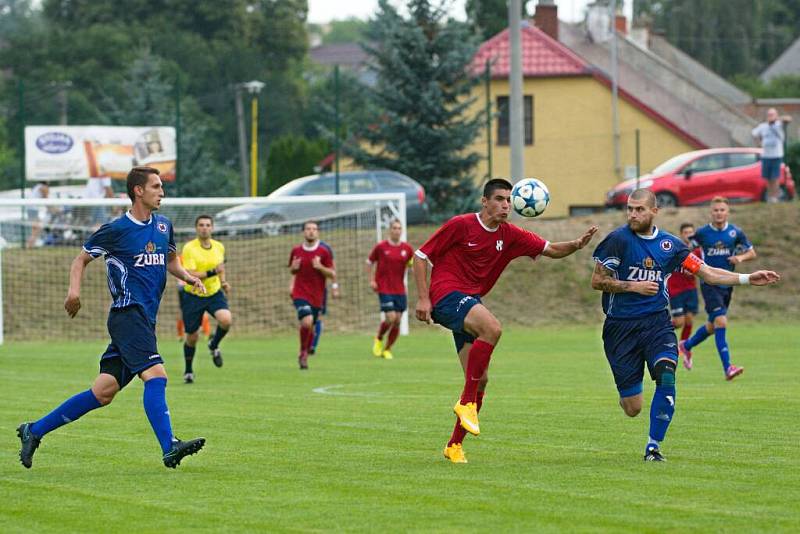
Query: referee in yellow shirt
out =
(204, 258)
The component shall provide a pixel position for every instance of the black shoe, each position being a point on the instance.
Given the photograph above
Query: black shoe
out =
(312, 351)
(188, 378)
(216, 355)
(303, 361)
(29, 444)
(182, 448)
(652, 454)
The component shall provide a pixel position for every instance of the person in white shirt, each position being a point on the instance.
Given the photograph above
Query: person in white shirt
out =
(98, 188)
(770, 136)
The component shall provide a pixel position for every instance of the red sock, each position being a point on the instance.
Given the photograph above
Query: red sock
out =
(306, 336)
(687, 331)
(392, 337)
(382, 329)
(459, 433)
(477, 363)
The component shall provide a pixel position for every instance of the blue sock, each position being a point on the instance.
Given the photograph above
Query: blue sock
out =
(722, 348)
(317, 333)
(155, 406)
(662, 409)
(697, 338)
(70, 410)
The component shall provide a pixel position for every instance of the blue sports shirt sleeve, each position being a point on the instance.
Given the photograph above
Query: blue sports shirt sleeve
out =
(609, 252)
(741, 239)
(681, 252)
(171, 248)
(101, 242)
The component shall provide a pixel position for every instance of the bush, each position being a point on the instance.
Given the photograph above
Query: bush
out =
(290, 157)
(792, 159)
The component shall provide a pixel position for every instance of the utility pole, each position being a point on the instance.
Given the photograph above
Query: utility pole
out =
(336, 143)
(515, 99)
(244, 168)
(488, 89)
(62, 100)
(253, 87)
(177, 128)
(612, 7)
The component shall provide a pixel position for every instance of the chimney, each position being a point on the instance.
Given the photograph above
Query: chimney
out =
(546, 18)
(621, 24)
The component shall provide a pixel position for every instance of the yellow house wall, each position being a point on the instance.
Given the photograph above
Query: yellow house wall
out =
(573, 149)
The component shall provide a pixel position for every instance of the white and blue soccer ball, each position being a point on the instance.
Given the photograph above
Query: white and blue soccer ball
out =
(530, 197)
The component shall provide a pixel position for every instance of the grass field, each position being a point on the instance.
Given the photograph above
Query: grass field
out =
(355, 443)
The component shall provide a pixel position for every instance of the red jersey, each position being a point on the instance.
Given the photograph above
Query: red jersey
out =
(392, 263)
(309, 283)
(682, 281)
(469, 257)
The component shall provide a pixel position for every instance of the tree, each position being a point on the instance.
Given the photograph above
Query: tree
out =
(487, 18)
(421, 127)
(349, 30)
(732, 37)
(292, 156)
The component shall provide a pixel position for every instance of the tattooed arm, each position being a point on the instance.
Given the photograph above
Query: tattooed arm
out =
(603, 280)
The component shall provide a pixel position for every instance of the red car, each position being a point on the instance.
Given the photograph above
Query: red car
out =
(697, 177)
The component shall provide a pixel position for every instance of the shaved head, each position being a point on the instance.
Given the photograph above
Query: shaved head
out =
(644, 195)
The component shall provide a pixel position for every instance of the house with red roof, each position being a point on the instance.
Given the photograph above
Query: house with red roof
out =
(569, 135)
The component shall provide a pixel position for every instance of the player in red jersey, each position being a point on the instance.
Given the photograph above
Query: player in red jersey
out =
(386, 265)
(310, 263)
(468, 254)
(682, 288)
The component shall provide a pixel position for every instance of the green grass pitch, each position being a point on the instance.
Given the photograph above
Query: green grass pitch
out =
(355, 443)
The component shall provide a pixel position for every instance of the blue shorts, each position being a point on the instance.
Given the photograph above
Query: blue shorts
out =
(393, 303)
(717, 299)
(133, 345)
(193, 308)
(304, 308)
(771, 168)
(631, 343)
(684, 303)
(451, 311)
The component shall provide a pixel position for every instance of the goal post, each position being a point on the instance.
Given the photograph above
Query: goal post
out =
(40, 237)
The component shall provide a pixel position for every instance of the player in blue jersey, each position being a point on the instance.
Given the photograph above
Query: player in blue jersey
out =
(719, 242)
(632, 265)
(138, 249)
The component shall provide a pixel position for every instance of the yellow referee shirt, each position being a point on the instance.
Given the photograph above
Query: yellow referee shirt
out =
(197, 258)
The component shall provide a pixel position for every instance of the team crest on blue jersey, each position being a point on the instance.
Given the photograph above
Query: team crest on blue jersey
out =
(162, 227)
(150, 247)
(648, 263)
(666, 245)
(732, 233)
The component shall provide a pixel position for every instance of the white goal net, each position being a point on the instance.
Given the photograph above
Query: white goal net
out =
(40, 238)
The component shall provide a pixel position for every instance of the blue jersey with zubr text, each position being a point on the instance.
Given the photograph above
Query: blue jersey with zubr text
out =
(638, 258)
(720, 244)
(136, 255)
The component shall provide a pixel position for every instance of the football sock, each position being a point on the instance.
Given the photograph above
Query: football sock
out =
(392, 337)
(477, 363)
(218, 335)
(661, 410)
(188, 357)
(698, 337)
(317, 333)
(687, 331)
(70, 410)
(155, 406)
(459, 433)
(722, 348)
(304, 333)
(382, 329)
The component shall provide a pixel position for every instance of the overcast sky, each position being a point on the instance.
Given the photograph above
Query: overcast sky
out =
(327, 10)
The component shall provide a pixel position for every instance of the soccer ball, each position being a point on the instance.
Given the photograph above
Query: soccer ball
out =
(530, 197)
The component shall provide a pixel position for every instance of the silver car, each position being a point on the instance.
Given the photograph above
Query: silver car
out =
(351, 182)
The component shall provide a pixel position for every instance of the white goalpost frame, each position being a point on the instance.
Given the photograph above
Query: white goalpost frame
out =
(398, 210)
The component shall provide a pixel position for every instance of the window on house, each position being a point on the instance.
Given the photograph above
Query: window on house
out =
(503, 131)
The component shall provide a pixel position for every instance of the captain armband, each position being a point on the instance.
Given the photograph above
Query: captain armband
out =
(692, 264)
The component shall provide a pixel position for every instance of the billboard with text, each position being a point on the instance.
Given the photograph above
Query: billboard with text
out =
(66, 152)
